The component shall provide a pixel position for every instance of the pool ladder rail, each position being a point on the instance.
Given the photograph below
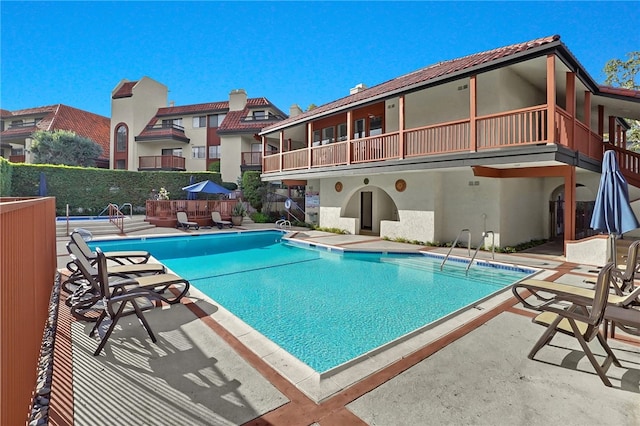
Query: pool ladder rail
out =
(119, 209)
(283, 224)
(480, 244)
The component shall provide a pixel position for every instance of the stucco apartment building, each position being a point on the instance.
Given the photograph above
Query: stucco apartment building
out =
(148, 133)
(507, 143)
(16, 128)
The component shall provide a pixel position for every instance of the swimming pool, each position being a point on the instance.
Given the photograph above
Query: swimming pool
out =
(324, 307)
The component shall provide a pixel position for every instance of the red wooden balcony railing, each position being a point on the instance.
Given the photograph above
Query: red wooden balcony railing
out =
(525, 126)
(161, 162)
(251, 158)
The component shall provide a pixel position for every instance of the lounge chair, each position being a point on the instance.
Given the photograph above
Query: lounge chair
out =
(129, 296)
(87, 297)
(580, 319)
(121, 257)
(217, 221)
(626, 319)
(183, 221)
(631, 268)
(76, 279)
(622, 285)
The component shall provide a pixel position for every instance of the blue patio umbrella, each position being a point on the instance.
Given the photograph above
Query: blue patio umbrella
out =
(42, 190)
(191, 195)
(207, 187)
(612, 212)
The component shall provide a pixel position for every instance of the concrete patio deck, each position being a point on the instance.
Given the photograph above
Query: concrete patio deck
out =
(474, 370)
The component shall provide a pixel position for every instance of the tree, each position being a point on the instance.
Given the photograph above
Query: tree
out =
(623, 74)
(64, 147)
(253, 189)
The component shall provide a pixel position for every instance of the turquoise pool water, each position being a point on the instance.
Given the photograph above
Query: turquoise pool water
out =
(323, 307)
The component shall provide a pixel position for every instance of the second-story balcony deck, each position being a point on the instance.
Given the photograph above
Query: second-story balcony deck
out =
(499, 132)
(161, 162)
(162, 132)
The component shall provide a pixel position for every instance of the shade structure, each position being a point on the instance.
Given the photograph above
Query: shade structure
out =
(191, 195)
(207, 187)
(42, 189)
(612, 212)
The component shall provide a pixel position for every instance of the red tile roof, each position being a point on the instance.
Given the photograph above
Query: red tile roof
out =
(620, 91)
(421, 76)
(125, 91)
(234, 120)
(209, 107)
(63, 117)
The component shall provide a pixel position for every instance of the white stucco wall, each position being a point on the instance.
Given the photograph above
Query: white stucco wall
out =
(230, 149)
(136, 111)
(437, 104)
(437, 205)
(514, 92)
(522, 205)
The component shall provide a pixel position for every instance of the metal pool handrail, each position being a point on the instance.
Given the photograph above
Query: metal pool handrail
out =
(456, 243)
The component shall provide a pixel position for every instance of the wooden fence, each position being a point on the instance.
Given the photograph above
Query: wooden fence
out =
(27, 274)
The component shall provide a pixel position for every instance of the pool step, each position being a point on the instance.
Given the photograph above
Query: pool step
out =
(136, 223)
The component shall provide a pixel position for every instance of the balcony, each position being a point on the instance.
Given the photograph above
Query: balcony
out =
(161, 162)
(162, 132)
(17, 158)
(262, 117)
(251, 161)
(23, 124)
(502, 131)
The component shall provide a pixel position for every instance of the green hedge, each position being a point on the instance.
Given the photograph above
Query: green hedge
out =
(88, 191)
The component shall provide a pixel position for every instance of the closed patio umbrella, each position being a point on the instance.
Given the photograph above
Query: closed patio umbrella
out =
(207, 187)
(191, 195)
(42, 189)
(612, 212)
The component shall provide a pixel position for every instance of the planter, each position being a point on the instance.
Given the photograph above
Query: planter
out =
(236, 220)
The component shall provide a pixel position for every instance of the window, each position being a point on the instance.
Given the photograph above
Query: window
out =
(172, 151)
(199, 122)
(316, 137)
(358, 129)
(17, 151)
(198, 152)
(215, 120)
(259, 115)
(121, 138)
(120, 164)
(214, 151)
(172, 122)
(342, 132)
(375, 125)
(327, 135)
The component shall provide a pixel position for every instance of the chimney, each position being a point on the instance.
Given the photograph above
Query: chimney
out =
(172, 104)
(295, 110)
(359, 88)
(237, 100)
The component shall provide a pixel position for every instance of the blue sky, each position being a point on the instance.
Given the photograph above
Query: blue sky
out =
(75, 53)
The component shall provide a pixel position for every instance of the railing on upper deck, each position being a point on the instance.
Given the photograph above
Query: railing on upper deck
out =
(375, 148)
(251, 158)
(629, 163)
(17, 158)
(525, 126)
(161, 162)
(437, 139)
(513, 128)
